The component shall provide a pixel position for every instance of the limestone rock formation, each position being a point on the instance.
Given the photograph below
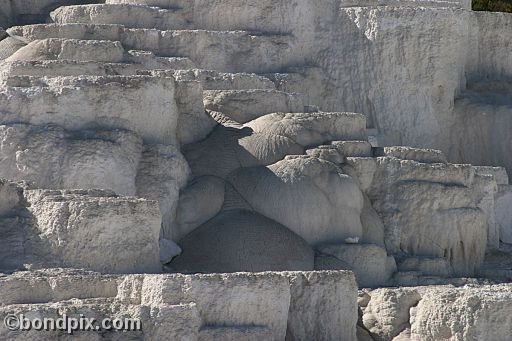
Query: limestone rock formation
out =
(78, 229)
(370, 263)
(236, 241)
(308, 195)
(470, 312)
(189, 307)
(83, 159)
(270, 157)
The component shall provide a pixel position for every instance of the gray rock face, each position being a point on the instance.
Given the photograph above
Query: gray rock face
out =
(83, 159)
(165, 19)
(75, 103)
(96, 226)
(168, 250)
(420, 155)
(446, 199)
(418, 312)
(79, 229)
(223, 117)
(503, 202)
(49, 49)
(370, 263)
(314, 312)
(237, 241)
(30, 11)
(198, 203)
(190, 306)
(314, 205)
(9, 46)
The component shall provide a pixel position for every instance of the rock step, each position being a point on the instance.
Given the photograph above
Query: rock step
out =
(112, 160)
(266, 16)
(71, 49)
(427, 266)
(246, 105)
(407, 3)
(55, 285)
(227, 51)
(8, 46)
(131, 16)
(213, 80)
(141, 321)
(171, 4)
(353, 148)
(221, 333)
(308, 80)
(499, 173)
(21, 12)
(412, 171)
(55, 68)
(337, 151)
(150, 61)
(182, 102)
(29, 33)
(416, 278)
(413, 154)
(43, 246)
(272, 301)
(85, 102)
(303, 128)
(84, 50)
(267, 140)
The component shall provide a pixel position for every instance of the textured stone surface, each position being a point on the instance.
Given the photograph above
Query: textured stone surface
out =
(162, 172)
(110, 95)
(370, 263)
(322, 205)
(322, 307)
(9, 46)
(244, 106)
(483, 112)
(226, 299)
(427, 266)
(486, 306)
(225, 306)
(95, 230)
(126, 15)
(83, 50)
(82, 159)
(503, 202)
(89, 229)
(235, 333)
(267, 140)
(431, 210)
(420, 155)
(28, 11)
(237, 241)
(387, 312)
(199, 202)
(439, 312)
(83, 102)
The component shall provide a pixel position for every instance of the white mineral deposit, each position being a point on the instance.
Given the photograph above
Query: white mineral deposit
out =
(236, 170)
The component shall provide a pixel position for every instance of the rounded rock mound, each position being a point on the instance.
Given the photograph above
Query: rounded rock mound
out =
(243, 241)
(310, 196)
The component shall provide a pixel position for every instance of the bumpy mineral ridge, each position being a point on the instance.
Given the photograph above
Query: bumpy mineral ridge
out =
(269, 170)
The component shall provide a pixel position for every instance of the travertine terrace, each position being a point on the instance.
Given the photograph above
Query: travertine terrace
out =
(257, 170)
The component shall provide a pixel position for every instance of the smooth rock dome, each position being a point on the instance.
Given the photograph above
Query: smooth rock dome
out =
(239, 241)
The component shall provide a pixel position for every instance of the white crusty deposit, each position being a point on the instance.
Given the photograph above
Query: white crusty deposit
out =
(236, 170)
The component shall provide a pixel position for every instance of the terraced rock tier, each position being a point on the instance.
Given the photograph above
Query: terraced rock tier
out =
(225, 170)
